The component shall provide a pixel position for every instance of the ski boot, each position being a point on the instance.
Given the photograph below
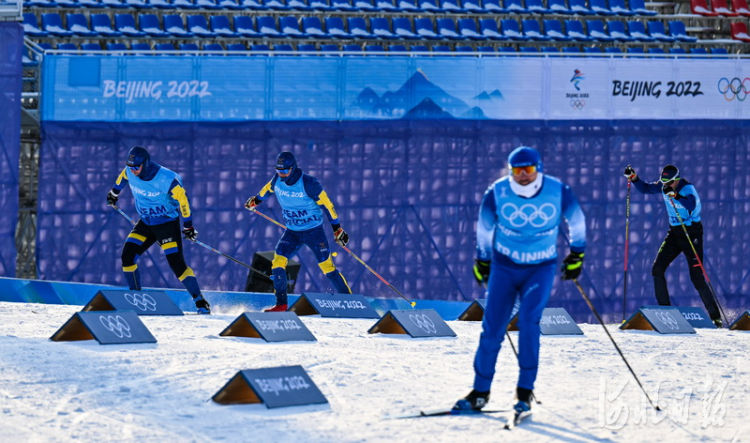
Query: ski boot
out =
(201, 305)
(277, 308)
(476, 400)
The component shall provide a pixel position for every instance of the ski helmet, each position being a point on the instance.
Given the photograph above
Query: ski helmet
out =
(669, 174)
(524, 156)
(138, 156)
(286, 161)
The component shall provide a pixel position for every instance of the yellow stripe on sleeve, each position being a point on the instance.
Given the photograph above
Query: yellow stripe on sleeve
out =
(265, 190)
(324, 201)
(120, 178)
(178, 193)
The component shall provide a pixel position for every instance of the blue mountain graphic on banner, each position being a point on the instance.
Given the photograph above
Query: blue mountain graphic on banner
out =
(411, 97)
(494, 95)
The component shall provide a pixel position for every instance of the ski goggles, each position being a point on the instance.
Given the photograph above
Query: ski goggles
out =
(667, 181)
(286, 171)
(516, 170)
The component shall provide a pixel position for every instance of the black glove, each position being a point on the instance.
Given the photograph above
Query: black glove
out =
(341, 237)
(481, 270)
(112, 198)
(190, 233)
(669, 192)
(572, 266)
(252, 203)
(630, 173)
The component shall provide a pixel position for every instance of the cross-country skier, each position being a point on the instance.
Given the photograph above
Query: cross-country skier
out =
(303, 202)
(160, 199)
(519, 219)
(685, 197)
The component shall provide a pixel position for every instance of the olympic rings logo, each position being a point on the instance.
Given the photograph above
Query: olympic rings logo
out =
(667, 319)
(424, 323)
(528, 214)
(116, 325)
(734, 88)
(577, 103)
(144, 302)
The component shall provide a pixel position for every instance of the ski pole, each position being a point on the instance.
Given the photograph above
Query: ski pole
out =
(412, 303)
(700, 262)
(598, 317)
(627, 243)
(200, 243)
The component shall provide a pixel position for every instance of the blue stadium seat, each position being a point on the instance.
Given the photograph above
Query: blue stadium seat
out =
(677, 31)
(184, 4)
(677, 50)
(579, 7)
(90, 4)
(259, 47)
(402, 27)
(67, 47)
(277, 5)
(185, 47)
(554, 30)
(532, 31)
(655, 50)
(441, 48)
(101, 24)
(352, 48)
(150, 25)
(160, 4)
(397, 48)
(452, 7)
(385, 6)
(229, 4)
(255, 5)
(40, 4)
(613, 50)
(299, 5)
(574, 30)
(116, 46)
(592, 50)
(528, 49)
(424, 28)
(488, 28)
(618, 31)
(639, 7)
(358, 27)
(267, 26)
(335, 27)
(638, 32)
(447, 29)
(343, 5)
(467, 27)
(493, 7)
(321, 5)
(365, 5)
(306, 47)
(236, 47)
(79, 25)
(91, 47)
(283, 47)
(699, 50)
(313, 27)
(220, 26)
(142, 47)
(635, 50)
(31, 27)
(374, 48)
(485, 49)
(473, 6)
(329, 48)
(464, 48)
(114, 4)
(597, 31)
(173, 24)
(511, 29)
(419, 48)
(600, 7)
(549, 49)
(721, 51)
(536, 7)
(52, 24)
(206, 4)
(429, 6)
(381, 28)
(164, 47)
(571, 49)
(515, 6)
(506, 49)
(198, 25)
(619, 8)
(657, 31)
(125, 23)
(245, 26)
(289, 27)
(558, 7)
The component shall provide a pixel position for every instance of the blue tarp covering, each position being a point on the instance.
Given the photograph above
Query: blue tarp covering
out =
(11, 44)
(407, 192)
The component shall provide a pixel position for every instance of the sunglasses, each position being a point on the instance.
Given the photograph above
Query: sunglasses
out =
(135, 168)
(667, 181)
(284, 171)
(516, 170)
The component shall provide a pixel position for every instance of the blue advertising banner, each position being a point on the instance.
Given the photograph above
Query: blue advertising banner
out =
(11, 45)
(239, 88)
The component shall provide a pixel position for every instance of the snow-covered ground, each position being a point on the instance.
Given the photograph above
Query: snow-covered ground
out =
(61, 391)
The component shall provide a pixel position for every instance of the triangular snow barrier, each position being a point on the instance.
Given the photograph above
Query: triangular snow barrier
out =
(142, 302)
(742, 323)
(270, 326)
(475, 311)
(662, 319)
(333, 305)
(106, 327)
(414, 322)
(275, 387)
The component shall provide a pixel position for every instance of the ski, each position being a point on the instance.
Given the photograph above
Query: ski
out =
(443, 412)
(516, 419)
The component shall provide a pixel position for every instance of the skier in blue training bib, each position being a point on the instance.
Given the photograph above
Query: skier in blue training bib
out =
(519, 220)
(682, 193)
(303, 202)
(160, 199)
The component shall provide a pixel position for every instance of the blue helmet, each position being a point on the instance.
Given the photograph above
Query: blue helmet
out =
(525, 156)
(138, 156)
(669, 174)
(286, 160)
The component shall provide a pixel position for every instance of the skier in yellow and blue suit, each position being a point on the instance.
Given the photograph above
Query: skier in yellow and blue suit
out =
(160, 199)
(303, 202)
